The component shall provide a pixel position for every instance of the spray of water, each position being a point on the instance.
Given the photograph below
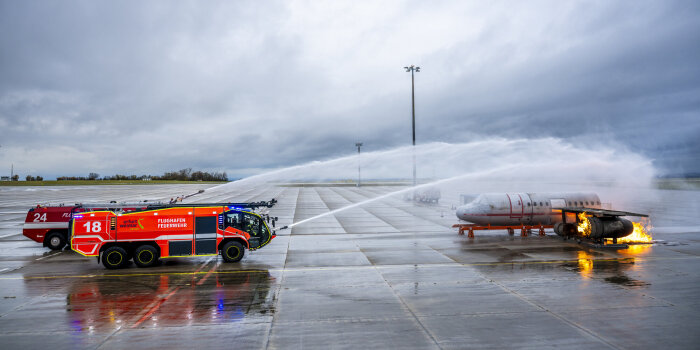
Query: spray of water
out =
(543, 160)
(394, 193)
(486, 165)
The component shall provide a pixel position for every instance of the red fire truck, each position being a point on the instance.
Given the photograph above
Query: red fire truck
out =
(49, 224)
(179, 230)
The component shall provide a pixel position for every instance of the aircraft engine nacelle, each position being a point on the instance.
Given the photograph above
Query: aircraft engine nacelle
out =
(565, 230)
(601, 227)
(607, 227)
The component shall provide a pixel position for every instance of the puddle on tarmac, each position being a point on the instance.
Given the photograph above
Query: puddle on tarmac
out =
(588, 264)
(110, 302)
(626, 281)
(612, 270)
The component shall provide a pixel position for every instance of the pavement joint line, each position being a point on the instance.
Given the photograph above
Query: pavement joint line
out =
(10, 235)
(108, 337)
(209, 273)
(359, 206)
(28, 302)
(334, 268)
(204, 264)
(434, 222)
(279, 286)
(395, 318)
(401, 300)
(554, 314)
(155, 305)
(397, 295)
(413, 314)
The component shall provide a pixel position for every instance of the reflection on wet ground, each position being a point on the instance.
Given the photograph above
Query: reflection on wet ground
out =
(387, 276)
(610, 270)
(107, 302)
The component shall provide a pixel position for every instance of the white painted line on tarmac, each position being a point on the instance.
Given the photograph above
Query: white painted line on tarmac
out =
(48, 256)
(7, 269)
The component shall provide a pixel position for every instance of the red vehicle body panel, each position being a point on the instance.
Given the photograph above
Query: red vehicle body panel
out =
(42, 220)
(178, 231)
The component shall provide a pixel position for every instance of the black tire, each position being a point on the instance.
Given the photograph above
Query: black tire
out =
(233, 251)
(55, 241)
(114, 257)
(146, 256)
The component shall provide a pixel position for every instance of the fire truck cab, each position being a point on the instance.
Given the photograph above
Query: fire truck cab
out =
(174, 231)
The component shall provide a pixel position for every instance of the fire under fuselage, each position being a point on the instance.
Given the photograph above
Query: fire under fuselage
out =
(503, 209)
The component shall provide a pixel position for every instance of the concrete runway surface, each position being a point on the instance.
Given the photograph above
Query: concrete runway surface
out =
(390, 274)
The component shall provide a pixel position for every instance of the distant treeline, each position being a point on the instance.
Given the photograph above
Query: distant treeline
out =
(180, 175)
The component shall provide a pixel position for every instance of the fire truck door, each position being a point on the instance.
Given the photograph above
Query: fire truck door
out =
(205, 235)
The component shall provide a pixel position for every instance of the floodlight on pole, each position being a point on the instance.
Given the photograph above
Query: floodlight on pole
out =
(413, 69)
(358, 145)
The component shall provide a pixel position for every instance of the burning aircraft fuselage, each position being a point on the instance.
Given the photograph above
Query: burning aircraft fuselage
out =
(571, 214)
(502, 209)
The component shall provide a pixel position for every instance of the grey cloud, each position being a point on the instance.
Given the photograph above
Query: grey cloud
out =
(149, 87)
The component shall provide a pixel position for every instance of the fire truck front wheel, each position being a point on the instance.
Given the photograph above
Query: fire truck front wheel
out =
(145, 256)
(233, 251)
(55, 241)
(114, 257)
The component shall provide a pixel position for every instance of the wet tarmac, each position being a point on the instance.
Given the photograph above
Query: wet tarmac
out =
(391, 274)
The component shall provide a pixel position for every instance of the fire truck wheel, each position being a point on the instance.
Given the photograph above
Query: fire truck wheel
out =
(114, 257)
(233, 251)
(145, 256)
(55, 241)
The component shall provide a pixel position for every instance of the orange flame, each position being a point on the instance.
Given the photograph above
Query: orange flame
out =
(636, 249)
(585, 264)
(639, 235)
(584, 227)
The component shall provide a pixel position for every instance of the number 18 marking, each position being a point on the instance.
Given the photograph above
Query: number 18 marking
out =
(96, 226)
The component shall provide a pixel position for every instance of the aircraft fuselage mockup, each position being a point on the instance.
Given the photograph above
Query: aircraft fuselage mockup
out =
(504, 209)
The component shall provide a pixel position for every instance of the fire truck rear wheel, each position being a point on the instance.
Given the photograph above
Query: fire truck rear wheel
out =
(55, 241)
(233, 251)
(114, 257)
(145, 256)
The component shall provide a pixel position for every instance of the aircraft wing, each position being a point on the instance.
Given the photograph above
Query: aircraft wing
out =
(600, 212)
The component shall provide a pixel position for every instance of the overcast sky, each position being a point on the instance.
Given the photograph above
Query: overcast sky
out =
(244, 86)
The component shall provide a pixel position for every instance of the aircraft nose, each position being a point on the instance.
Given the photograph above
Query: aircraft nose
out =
(467, 212)
(461, 211)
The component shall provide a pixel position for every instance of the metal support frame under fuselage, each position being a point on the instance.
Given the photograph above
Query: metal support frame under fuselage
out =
(524, 229)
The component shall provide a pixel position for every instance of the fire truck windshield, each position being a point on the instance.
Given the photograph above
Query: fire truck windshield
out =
(251, 223)
(243, 221)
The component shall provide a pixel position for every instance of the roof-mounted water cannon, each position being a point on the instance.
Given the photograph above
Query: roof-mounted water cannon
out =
(240, 206)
